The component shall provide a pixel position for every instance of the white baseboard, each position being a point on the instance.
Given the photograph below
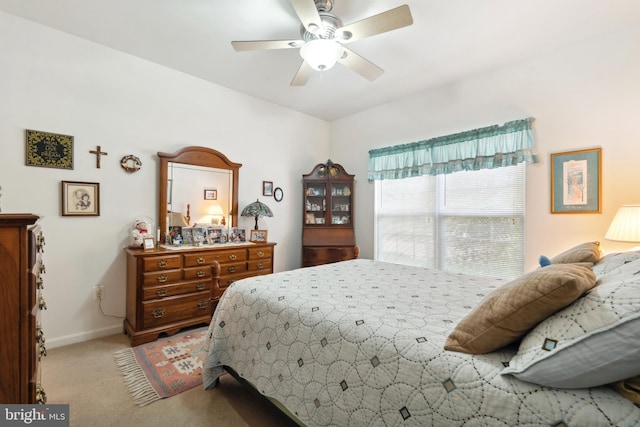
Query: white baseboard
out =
(84, 336)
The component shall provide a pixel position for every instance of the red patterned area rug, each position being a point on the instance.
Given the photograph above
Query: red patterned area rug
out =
(165, 367)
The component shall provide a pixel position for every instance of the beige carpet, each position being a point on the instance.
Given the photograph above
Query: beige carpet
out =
(85, 376)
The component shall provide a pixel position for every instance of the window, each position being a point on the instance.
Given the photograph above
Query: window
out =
(469, 222)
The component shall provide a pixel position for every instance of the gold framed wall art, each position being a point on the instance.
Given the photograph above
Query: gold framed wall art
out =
(49, 150)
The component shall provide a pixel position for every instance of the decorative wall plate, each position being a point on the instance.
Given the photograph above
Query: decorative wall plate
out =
(278, 194)
(131, 163)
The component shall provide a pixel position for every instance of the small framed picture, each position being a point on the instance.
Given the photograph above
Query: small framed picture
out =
(576, 181)
(148, 243)
(237, 235)
(267, 188)
(210, 194)
(258, 236)
(310, 218)
(80, 198)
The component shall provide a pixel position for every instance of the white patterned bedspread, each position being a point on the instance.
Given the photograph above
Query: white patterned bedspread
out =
(360, 343)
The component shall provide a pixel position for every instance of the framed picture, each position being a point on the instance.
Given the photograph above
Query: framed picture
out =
(148, 243)
(576, 181)
(210, 194)
(237, 235)
(258, 236)
(267, 188)
(310, 218)
(49, 150)
(216, 235)
(80, 198)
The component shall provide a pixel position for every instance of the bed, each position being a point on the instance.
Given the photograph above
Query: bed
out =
(361, 343)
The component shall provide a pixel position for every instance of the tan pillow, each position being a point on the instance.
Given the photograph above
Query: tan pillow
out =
(586, 252)
(509, 312)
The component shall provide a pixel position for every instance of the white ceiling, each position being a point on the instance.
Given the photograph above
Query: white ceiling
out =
(449, 39)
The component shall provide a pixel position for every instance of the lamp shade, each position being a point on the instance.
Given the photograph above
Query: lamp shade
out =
(625, 226)
(321, 54)
(256, 210)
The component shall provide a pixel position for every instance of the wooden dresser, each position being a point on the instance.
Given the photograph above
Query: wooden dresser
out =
(170, 289)
(21, 283)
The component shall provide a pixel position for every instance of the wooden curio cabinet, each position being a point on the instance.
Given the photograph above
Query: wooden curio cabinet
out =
(328, 234)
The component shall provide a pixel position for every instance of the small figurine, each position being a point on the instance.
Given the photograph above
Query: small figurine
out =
(139, 232)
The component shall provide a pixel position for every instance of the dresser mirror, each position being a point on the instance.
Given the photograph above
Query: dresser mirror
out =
(198, 185)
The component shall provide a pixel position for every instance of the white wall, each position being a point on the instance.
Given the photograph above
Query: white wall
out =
(54, 82)
(582, 96)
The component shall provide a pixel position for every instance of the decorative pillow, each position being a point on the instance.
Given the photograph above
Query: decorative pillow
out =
(510, 311)
(586, 252)
(594, 341)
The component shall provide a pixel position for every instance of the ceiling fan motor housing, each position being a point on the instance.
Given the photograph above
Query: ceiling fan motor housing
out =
(330, 23)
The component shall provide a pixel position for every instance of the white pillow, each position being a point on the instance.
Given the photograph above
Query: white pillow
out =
(595, 340)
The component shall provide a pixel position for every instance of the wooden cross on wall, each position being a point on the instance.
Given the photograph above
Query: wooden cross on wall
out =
(98, 154)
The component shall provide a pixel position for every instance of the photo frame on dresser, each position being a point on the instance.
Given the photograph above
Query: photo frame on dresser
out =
(80, 198)
(258, 236)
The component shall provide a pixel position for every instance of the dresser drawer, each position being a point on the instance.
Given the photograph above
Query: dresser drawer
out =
(263, 264)
(231, 269)
(194, 273)
(260, 253)
(181, 288)
(173, 309)
(159, 263)
(231, 255)
(161, 277)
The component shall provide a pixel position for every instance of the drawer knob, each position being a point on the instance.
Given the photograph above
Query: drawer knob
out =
(200, 260)
(259, 265)
(232, 257)
(201, 286)
(162, 264)
(231, 269)
(203, 304)
(200, 273)
(158, 313)
(161, 292)
(162, 278)
(42, 303)
(260, 253)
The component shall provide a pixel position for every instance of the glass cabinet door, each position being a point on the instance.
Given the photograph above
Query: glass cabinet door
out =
(315, 203)
(340, 203)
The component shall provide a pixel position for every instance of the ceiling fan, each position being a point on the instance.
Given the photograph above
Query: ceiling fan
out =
(323, 38)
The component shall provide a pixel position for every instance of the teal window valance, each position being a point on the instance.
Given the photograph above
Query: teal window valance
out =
(484, 148)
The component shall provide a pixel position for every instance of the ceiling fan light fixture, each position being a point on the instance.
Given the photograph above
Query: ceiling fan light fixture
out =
(321, 54)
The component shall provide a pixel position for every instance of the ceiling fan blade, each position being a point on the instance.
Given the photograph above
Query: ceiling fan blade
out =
(357, 63)
(241, 46)
(308, 14)
(393, 19)
(302, 76)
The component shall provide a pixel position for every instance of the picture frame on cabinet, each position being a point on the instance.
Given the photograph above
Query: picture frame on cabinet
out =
(216, 235)
(258, 236)
(267, 188)
(148, 243)
(576, 178)
(80, 198)
(237, 235)
(310, 218)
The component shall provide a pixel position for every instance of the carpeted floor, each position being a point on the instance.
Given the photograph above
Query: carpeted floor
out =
(85, 376)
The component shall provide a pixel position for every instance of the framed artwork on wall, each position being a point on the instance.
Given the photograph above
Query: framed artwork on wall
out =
(80, 198)
(49, 150)
(210, 194)
(576, 181)
(267, 188)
